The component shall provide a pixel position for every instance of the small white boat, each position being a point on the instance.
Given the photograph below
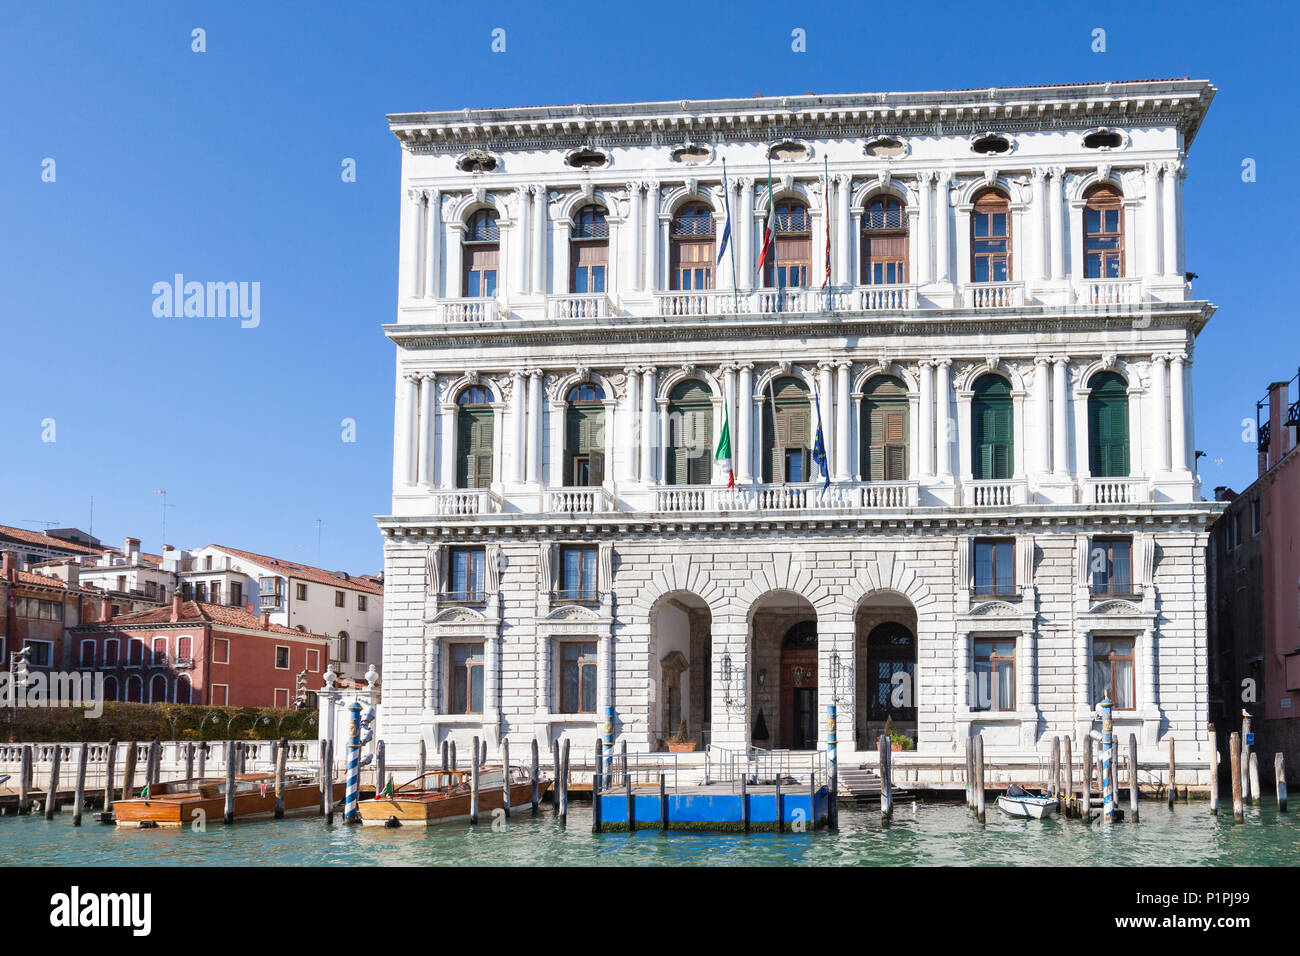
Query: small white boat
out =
(1019, 802)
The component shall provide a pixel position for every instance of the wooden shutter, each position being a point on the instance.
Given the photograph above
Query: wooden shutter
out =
(1108, 439)
(474, 448)
(993, 451)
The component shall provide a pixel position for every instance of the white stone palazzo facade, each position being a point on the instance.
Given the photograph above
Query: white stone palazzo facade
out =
(722, 606)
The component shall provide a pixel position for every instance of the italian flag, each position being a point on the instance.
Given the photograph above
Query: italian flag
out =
(144, 794)
(769, 227)
(723, 455)
(388, 788)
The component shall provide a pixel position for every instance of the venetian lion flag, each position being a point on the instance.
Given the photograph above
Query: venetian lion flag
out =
(723, 455)
(769, 227)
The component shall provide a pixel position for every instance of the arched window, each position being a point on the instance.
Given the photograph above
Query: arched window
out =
(134, 688)
(1103, 233)
(990, 226)
(588, 250)
(158, 689)
(1108, 426)
(992, 445)
(584, 446)
(474, 418)
(690, 434)
(793, 252)
(884, 242)
(692, 248)
(884, 430)
(787, 432)
(110, 688)
(481, 251)
(891, 650)
(344, 649)
(183, 690)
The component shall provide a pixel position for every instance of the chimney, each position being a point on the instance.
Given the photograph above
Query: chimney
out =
(105, 609)
(266, 620)
(69, 572)
(177, 601)
(9, 564)
(131, 548)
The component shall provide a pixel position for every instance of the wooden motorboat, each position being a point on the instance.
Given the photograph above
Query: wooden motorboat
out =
(1019, 802)
(443, 796)
(176, 803)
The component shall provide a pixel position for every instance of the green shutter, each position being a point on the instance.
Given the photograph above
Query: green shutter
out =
(474, 448)
(992, 425)
(585, 435)
(1108, 446)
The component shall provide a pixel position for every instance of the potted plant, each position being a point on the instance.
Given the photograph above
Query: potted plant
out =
(680, 742)
(897, 740)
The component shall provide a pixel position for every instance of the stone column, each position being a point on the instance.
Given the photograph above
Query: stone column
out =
(844, 271)
(432, 250)
(411, 429)
(661, 464)
(943, 431)
(1038, 247)
(1043, 408)
(538, 285)
(1177, 413)
(1137, 463)
(414, 273)
(744, 435)
(648, 425)
(535, 433)
(611, 437)
(428, 384)
(1180, 231)
(449, 444)
(633, 421)
(744, 225)
(1151, 220)
(943, 214)
(652, 237)
(925, 422)
(521, 239)
(1060, 409)
(1161, 430)
(518, 431)
(925, 237)
(964, 436)
(843, 410)
(1082, 467)
(826, 392)
(1146, 661)
(1057, 234)
(556, 477)
(634, 235)
(1169, 210)
(561, 232)
(1018, 429)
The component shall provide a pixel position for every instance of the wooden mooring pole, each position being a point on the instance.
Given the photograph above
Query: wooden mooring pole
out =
(1246, 747)
(155, 763)
(505, 776)
(203, 758)
(744, 802)
(631, 803)
(1279, 779)
(79, 796)
(380, 766)
(663, 802)
(564, 794)
(110, 762)
(1254, 777)
(1085, 766)
(1234, 756)
(780, 806)
(189, 760)
(445, 765)
(1172, 772)
(1054, 773)
(128, 770)
(555, 773)
(969, 774)
(1068, 796)
(25, 780)
(1214, 770)
(229, 815)
(281, 760)
(424, 762)
(473, 785)
(533, 777)
(52, 791)
(327, 775)
(883, 745)
(979, 778)
(1133, 776)
(595, 802)
(453, 755)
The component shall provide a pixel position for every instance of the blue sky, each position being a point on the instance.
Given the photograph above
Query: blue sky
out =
(225, 165)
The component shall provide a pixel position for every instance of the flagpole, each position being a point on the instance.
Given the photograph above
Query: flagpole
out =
(735, 282)
(827, 219)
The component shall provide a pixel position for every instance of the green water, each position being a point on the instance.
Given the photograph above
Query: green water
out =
(930, 834)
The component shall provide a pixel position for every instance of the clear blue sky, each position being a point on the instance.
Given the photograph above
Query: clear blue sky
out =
(225, 165)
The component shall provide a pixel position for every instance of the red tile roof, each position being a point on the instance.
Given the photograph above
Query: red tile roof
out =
(45, 540)
(306, 572)
(197, 612)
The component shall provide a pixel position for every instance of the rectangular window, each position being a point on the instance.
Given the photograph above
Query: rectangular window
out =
(466, 685)
(41, 653)
(300, 592)
(39, 610)
(281, 697)
(110, 652)
(339, 598)
(465, 568)
(343, 646)
(313, 659)
(135, 649)
(361, 602)
(187, 591)
(214, 592)
(995, 566)
(184, 649)
(1256, 518)
(995, 674)
(1110, 561)
(361, 652)
(281, 657)
(577, 678)
(481, 263)
(220, 650)
(1112, 672)
(270, 591)
(160, 651)
(577, 573)
(236, 594)
(220, 694)
(87, 653)
(201, 591)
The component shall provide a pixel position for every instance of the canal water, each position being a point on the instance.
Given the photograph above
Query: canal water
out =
(927, 834)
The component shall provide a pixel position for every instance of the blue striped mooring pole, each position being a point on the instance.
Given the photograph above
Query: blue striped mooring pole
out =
(831, 745)
(608, 756)
(351, 814)
(1107, 746)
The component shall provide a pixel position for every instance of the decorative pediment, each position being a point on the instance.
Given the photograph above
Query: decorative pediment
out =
(573, 612)
(995, 609)
(1116, 609)
(460, 615)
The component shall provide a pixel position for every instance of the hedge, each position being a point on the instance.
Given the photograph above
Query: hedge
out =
(125, 721)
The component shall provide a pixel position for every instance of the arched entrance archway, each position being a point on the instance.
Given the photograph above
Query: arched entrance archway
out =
(885, 665)
(681, 662)
(783, 678)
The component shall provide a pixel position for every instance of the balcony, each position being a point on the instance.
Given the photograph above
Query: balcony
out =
(465, 501)
(809, 496)
(994, 295)
(995, 493)
(468, 310)
(1109, 292)
(1116, 491)
(579, 501)
(578, 306)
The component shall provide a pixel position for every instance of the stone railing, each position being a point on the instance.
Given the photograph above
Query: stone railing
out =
(465, 501)
(468, 310)
(998, 493)
(886, 298)
(592, 306)
(994, 295)
(579, 501)
(1109, 292)
(1116, 491)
